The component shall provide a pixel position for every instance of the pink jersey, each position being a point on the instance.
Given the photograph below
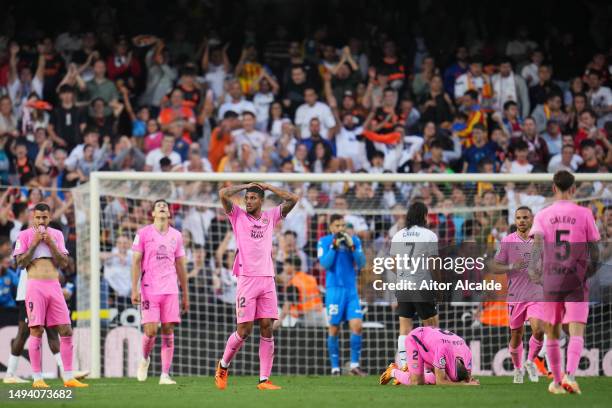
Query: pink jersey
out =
(254, 241)
(25, 238)
(159, 253)
(514, 249)
(566, 228)
(441, 349)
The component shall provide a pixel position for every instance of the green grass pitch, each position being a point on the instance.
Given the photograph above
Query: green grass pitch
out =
(319, 392)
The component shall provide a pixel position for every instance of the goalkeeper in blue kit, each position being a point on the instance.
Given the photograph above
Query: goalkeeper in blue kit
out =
(342, 257)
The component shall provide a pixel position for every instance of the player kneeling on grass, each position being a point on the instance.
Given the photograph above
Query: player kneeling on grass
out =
(158, 259)
(256, 298)
(41, 251)
(524, 296)
(443, 350)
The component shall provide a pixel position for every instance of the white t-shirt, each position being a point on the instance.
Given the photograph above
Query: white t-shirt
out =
(517, 168)
(256, 139)
(530, 74)
(155, 155)
(319, 110)
(239, 107)
(555, 164)
(215, 78)
(186, 166)
(19, 93)
(262, 104)
(117, 272)
(602, 99)
(348, 146)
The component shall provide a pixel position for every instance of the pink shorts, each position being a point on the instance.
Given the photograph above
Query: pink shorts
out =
(45, 303)
(256, 298)
(566, 312)
(160, 308)
(520, 312)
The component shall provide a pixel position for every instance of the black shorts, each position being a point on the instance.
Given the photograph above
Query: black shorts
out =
(425, 310)
(22, 313)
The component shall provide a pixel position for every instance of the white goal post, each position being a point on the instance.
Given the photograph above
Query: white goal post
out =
(97, 178)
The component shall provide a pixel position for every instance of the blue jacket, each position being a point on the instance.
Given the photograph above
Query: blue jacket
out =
(341, 265)
(8, 285)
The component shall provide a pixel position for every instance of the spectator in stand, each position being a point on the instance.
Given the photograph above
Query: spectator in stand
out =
(67, 121)
(589, 157)
(100, 86)
(295, 88)
(473, 114)
(481, 148)
(530, 71)
(248, 70)
(587, 128)
(221, 138)
(165, 151)
(576, 87)
(313, 108)
(21, 82)
(160, 75)
(122, 64)
(264, 97)
(519, 165)
(600, 98)
(178, 110)
(509, 87)
(538, 149)
(237, 103)
(566, 160)
(8, 120)
(117, 265)
(421, 81)
(474, 80)
(549, 110)
(553, 137)
(436, 105)
(391, 66)
(513, 123)
(544, 87)
(248, 135)
(578, 105)
(216, 65)
(54, 68)
(521, 46)
(457, 69)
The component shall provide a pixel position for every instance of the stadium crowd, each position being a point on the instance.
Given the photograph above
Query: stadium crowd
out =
(91, 98)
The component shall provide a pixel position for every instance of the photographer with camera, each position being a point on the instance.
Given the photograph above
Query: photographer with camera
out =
(342, 257)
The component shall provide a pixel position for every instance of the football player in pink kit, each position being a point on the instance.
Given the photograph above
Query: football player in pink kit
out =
(256, 292)
(564, 254)
(158, 262)
(443, 350)
(524, 296)
(41, 250)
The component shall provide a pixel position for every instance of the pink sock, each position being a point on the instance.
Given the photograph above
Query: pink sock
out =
(554, 357)
(403, 377)
(517, 355)
(234, 342)
(167, 352)
(574, 350)
(148, 343)
(266, 356)
(430, 378)
(66, 352)
(535, 346)
(35, 351)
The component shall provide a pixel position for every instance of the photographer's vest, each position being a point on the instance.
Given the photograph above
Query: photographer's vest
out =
(309, 296)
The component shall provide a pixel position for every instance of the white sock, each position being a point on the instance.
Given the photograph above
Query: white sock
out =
(37, 376)
(401, 350)
(354, 365)
(67, 375)
(58, 360)
(12, 365)
(335, 370)
(164, 375)
(224, 364)
(261, 379)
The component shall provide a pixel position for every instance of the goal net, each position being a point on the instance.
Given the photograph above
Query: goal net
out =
(374, 207)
